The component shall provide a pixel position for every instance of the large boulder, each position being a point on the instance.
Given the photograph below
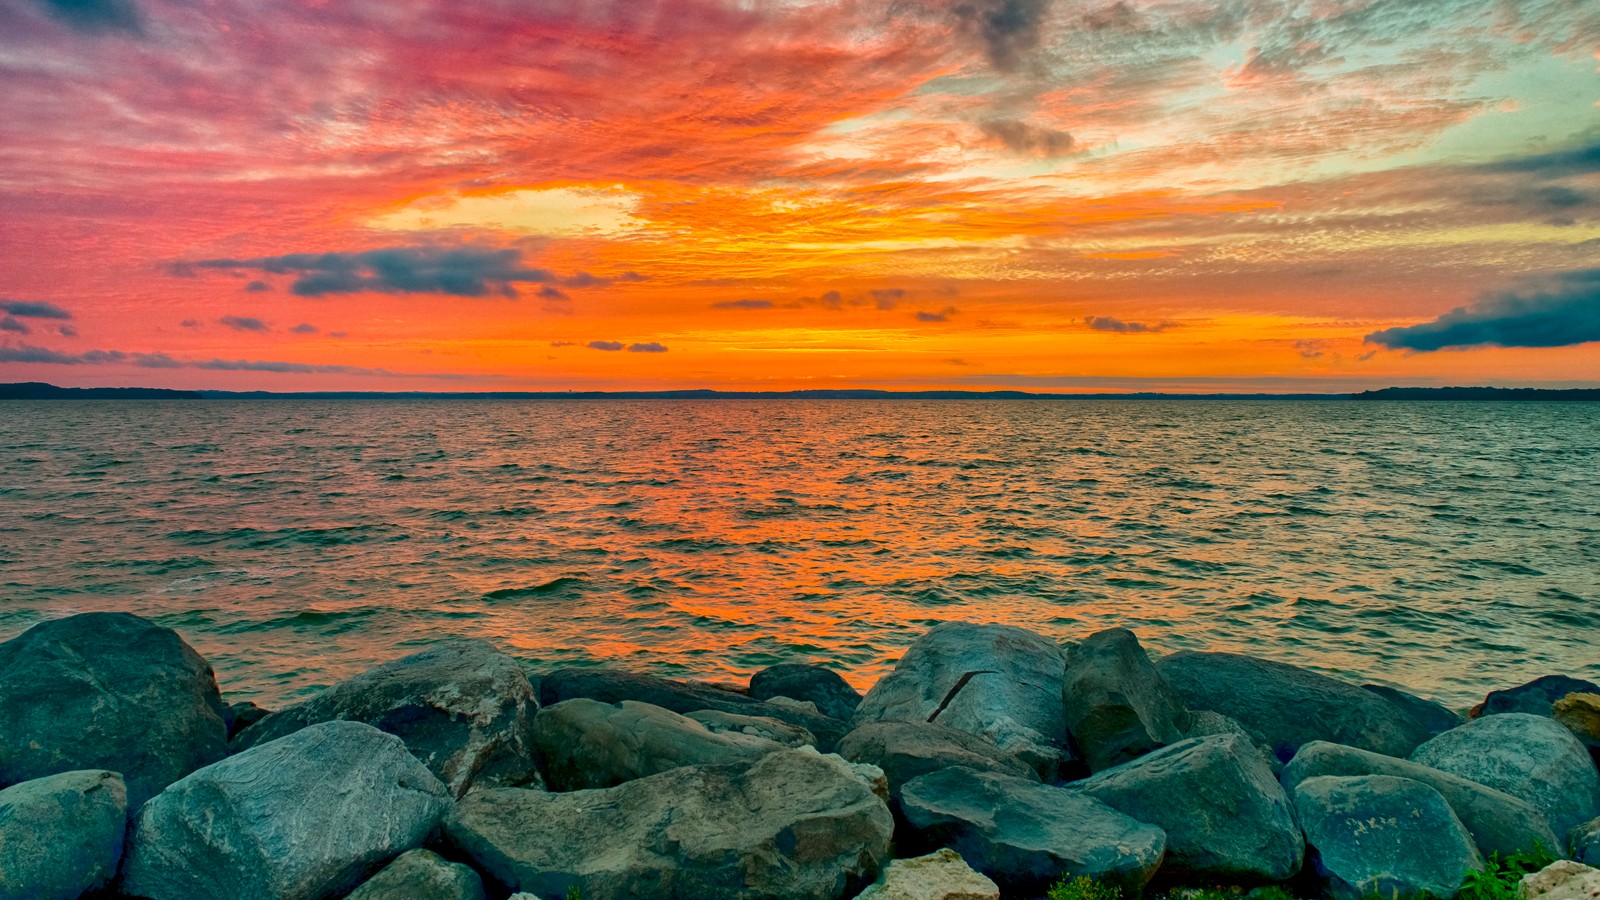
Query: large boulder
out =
(61, 835)
(1224, 813)
(107, 691)
(1377, 835)
(754, 726)
(907, 750)
(793, 824)
(304, 817)
(1498, 822)
(1563, 879)
(1583, 843)
(1527, 756)
(1027, 835)
(941, 875)
(1434, 717)
(998, 682)
(1287, 706)
(461, 707)
(1580, 714)
(1537, 696)
(588, 744)
(834, 697)
(681, 697)
(421, 875)
(1118, 707)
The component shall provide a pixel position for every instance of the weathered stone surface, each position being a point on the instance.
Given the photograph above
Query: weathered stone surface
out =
(107, 691)
(587, 744)
(421, 875)
(833, 696)
(1435, 718)
(995, 681)
(1026, 835)
(303, 817)
(764, 727)
(1118, 707)
(941, 875)
(681, 697)
(793, 824)
(1537, 696)
(1527, 756)
(907, 750)
(61, 835)
(1580, 714)
(1561, 880)
(1498, 822)
(241, 715)
(1385, 836)
(1583, 842)
(461, 707)
(1224, 813)
(1287, 706)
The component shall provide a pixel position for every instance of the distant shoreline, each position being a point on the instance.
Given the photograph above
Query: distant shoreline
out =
(42, 391)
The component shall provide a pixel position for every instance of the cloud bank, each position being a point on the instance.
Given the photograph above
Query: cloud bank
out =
(1557, 311)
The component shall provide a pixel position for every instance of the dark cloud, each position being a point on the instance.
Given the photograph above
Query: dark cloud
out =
(289, 368)
(14, 326)
(190, 323)
(304, 328)
(551, 292)
(743, 304)
(27, 353)
(458, 271)
(67, 331)
(243, 323)
(942, 315)
(1311, 348)
(1118, 326)
(832, 300)
(1008, 29)
(1556, 311)
(258, 286)
(610, 346)
(1556, 164)
(563, 343)
(92, 16)
(1027, 139)
(651, 347)
(585, 280)
(33, 309)
(887, 298)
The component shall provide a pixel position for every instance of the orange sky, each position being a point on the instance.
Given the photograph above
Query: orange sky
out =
(1052, 195)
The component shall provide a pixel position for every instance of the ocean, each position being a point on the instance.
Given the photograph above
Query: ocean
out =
(1449, 548)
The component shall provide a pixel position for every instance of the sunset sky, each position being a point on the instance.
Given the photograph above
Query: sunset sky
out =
(1077, 195)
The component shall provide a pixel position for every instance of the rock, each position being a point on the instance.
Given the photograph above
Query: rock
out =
(995, 681)
(907, 750)
(1435, 718)
(1026, 835)
(1205, 723)
(1287, 706)
(241, 715)
(794, 824)
(461, 707)
(941, 875)
(1537, 696)
(805, 706)
(1561, 880)
(107, 691)
(1580, 714)
(1224, 813)
(61, 835)
(588, 744)
(1583, 842)
(421, 875)
(1526, 756)
(1384, 836)
(1118, 707)
(681, 697)
(764, 727)
(1498, 822)
(303, 817)
(833, 696)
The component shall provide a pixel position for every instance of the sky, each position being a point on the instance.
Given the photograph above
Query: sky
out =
(1051, 195)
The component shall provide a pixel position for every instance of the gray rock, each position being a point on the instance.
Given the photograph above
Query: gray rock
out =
(587, 744)
(907, 750)
(421, 875)
(681, 697)
(1118, 707)
(1224, 813)
(1580, 714)
(1385, 836)
(941, 875)
(107, 691)
(1434, 717)
(1287, 706)
(1498, 822)
(241, 715)
(1206, 723)
(1583, 843)
(1561, 880)
(763, 727)
(61, 835)
(1527, 756)
(995, 681)
(461, 707)
(793, 824)
(833, 696)
(1027, 835)
(304, 817)
(1537, 696)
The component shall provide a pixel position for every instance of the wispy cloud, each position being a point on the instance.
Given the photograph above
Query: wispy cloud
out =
(243, 323)
(28, 353)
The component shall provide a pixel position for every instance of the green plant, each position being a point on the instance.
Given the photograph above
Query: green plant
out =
(1083, 888)
(1498, 879)
(575, 892)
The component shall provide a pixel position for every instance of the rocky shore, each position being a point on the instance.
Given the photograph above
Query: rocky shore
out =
(991, 762)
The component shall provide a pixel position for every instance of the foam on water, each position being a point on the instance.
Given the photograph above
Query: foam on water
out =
(1446, 547)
